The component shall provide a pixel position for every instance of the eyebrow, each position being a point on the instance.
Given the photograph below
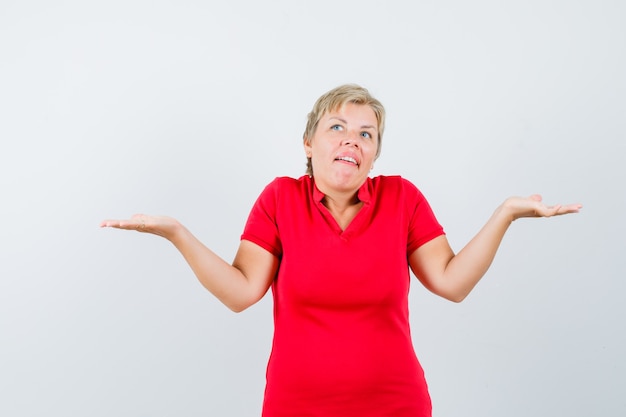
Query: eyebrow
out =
(345, 122)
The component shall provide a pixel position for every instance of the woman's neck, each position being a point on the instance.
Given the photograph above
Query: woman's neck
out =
(343, 208)
(339, 203)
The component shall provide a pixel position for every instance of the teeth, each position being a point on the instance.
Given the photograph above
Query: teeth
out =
(347, 159)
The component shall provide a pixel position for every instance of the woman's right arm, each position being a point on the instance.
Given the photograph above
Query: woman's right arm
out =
(238, 286)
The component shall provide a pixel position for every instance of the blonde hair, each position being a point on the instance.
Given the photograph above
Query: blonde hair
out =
(335, 99)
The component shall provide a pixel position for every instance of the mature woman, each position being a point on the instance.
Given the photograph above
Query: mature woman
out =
(336, 246)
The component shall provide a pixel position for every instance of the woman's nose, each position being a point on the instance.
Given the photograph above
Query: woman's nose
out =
(352, 138)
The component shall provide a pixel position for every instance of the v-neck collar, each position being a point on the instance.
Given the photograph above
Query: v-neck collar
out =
(364, 196)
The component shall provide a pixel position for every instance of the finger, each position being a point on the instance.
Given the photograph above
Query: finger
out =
(126, 225)
(546, 211)
(110, 223)
(570, 208)
(133, 224)
(139, 222)
(556, 209)
(565, 209)
(142, 222)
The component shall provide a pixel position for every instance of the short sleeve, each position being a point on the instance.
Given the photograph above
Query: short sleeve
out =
(423, 225)
(261, 227)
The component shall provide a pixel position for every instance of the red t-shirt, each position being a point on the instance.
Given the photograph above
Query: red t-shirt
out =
(342, 344)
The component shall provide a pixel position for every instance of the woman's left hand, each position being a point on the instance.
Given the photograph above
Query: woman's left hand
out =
(533, 207)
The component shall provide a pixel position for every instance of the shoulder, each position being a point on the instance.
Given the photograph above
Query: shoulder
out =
(286, 191)
(387, 186)
(392, 180)
(289, 184)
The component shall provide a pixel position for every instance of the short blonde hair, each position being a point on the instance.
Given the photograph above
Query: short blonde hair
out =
(335, 99)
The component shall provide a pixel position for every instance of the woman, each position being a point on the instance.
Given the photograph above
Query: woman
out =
(336, 246)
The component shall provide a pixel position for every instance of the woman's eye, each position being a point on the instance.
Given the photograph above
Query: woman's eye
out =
(366, 135)
(335, 127)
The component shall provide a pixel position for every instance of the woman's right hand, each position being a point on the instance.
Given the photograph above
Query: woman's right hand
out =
(158, 225)
(238, 286)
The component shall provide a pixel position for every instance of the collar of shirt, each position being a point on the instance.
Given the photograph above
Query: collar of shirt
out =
(363, 193)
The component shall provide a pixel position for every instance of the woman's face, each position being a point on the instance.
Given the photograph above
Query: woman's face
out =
(343, 148)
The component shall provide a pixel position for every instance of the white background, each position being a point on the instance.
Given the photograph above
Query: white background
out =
(190, 108)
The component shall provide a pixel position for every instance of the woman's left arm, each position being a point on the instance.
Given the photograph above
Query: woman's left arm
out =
(454, 276)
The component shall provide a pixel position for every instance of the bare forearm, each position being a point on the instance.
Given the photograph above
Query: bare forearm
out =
(238, 286)
(467, 267)
(222, 279)
(454, 276)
